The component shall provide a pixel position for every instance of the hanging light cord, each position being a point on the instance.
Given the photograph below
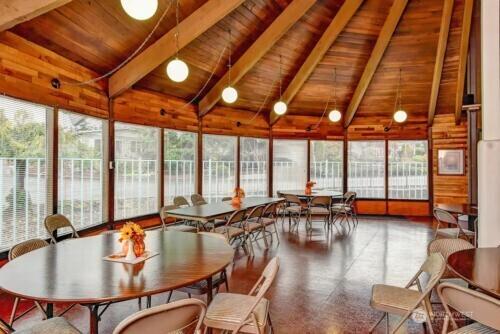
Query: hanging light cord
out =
(177, 28)
(229, 59)
(398, 94)
(280, 77)
(91, 81)
(315, 126)
(264, 102)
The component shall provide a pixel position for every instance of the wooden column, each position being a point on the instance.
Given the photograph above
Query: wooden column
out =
(238, 161)
(54, 156)
(270, 164)
(162, 167)
(110, 169)
(308, 160)
(199, 160)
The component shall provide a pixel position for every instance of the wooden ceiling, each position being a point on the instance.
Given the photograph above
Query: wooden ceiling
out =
(98, 34)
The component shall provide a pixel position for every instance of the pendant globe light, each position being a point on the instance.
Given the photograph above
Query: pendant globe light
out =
(400, 115)
(177, 70)
(280, 106)
(229, 94)
(140, 9)
(334, 115)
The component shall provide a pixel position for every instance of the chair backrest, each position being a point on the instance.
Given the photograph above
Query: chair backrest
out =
(181, 201)
(197, 199)
(443, 216)
(270, 210)
(167, 318)
(473, 304)
(215, 235)
(434, 266)
(322, 201)
(164, 215)
(56, 222)
(236, 217)
(256, 212)
(349, 198)
(446, 247)
(292, 199)
(26, 247)
(227, 198)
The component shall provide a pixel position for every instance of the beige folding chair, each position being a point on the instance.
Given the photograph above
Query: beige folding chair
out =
(319, 206)
(244, 313)
(483, 309)
(253, 224)
(197, 199)
(16, 251)
(445, 218)
(346, 209)
(176, 226)
(181, 201)
(55, 222)
(405, 301)
(56, 325)
(235, 232)
(269, 218)
(176, 317)
(201, 288)
(294, 209)
(446, 247)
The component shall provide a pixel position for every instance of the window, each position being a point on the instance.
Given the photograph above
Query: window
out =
(366, 168)
(136, 173)
(289, 164)
(254, 157)
(180, 164)
(408, 169)
(24, 195)
(219, 166)
(326, 164)
(80, 169)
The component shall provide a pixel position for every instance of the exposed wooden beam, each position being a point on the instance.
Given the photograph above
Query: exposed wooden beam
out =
(390, 24)
(164, 48)
(292, 13)
(331, 33)
(462, 58)
(441, 50)
(13, 12)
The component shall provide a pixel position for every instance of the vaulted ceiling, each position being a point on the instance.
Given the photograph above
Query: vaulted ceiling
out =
(98, 34)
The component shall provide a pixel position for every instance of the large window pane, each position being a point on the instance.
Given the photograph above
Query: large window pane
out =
(289, 164)
(408, 169)
(136, 170)
(366, 168)
(180, 164)
(254, 157)
(219, 166)
(80, 166)
(326, 164)
(23, 171)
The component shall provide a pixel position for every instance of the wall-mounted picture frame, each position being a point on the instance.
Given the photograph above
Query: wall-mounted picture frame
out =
(451, 162)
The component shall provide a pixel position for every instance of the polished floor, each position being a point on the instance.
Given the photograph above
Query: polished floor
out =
(325, 278)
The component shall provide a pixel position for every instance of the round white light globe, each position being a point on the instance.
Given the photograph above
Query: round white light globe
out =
(177, 70)
(400, 116)
(280, 108)
(140, 9)
(334, 115)
(229, 94)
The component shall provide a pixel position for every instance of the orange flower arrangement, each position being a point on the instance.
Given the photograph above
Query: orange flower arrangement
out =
(238, 195)
(309, 186)
(134, 232)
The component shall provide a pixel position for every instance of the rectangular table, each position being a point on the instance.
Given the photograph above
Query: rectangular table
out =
(209, 212)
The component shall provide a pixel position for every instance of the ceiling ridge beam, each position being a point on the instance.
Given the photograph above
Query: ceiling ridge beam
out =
(390, 24)
(342, 17)
(13, 12)
(462, 58)
(292, 13)
(164, 48)
(440, 54)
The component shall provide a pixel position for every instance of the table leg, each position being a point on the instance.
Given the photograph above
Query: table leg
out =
(210, 288)
(470, 223)
(94, 318)
(50, 310)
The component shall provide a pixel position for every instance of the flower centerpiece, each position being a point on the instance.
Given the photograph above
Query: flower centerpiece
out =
(132, 239)
(238, 195)
(309, 186)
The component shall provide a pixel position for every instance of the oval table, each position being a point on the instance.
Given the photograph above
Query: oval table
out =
(74, 271)
(480, 267)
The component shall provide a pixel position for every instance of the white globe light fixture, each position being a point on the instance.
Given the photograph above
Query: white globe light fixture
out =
(400, 116)
(334, 116)
(229, 94)
(177, 70)
(280, 108)
(140, 9)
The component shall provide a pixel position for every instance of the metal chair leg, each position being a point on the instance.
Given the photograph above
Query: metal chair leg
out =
(14, 310)
(378, 322)
(169, 296)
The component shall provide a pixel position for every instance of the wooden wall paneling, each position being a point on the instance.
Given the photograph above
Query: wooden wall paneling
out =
(408, 208)
(371, 207)
(13, 12)
(26, 71)
(462, 58)
(228, 121)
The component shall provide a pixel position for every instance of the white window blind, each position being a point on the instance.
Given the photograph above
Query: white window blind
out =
(327, 164)
(254, 160)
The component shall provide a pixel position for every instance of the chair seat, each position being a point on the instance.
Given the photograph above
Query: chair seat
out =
(319, 211)
(341, 207)
(294, 209)
(253, 226)
(267, 221)
(228, 309)
(393, 299)
(56, 325)
(182, 228)
(453, 232)
(230, 231)
(475, 328)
